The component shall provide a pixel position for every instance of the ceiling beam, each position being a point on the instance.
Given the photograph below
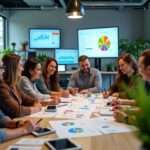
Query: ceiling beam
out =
(111, 4)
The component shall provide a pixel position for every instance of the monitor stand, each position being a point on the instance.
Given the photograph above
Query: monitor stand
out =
(98, 63)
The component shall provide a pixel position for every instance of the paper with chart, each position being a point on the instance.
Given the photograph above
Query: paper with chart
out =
(77, 107)
(88, 127)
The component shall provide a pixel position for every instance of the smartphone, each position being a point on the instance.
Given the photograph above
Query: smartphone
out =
(43, 131)
(51, 108)
(62, 144)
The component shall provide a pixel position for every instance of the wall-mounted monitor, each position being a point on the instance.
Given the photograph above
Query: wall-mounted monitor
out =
(44, 38)
(66, 56)
(98, 42)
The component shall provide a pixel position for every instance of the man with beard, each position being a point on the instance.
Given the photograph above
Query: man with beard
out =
(86, 79)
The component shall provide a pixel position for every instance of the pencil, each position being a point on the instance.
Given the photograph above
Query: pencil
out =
(39, 121)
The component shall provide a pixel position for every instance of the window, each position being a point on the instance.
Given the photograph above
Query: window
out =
(1, 33)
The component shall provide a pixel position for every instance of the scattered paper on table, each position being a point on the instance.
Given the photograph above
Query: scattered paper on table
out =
(18, 147)
(31, 141)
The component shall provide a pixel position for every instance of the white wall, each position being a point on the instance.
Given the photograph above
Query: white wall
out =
(130, 24)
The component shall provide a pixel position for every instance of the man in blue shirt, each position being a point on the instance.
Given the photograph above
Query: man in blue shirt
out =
(86, 79)
(11, 129)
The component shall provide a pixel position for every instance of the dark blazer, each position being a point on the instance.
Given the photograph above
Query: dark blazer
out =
(13, 102)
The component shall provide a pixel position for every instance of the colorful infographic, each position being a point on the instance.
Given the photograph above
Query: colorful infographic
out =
(104, 43)
(75, 130)
(98, 42)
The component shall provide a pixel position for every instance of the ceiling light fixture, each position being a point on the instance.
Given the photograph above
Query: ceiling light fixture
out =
(75, 9)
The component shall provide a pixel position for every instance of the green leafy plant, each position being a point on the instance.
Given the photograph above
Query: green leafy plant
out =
(6, 51)
(109, 67)
(134, 47)
(41, 58)
(142, 121)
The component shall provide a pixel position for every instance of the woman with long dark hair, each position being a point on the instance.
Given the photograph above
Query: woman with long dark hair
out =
(27, 83)
(48, 83)
(127, 77)
(13, 102)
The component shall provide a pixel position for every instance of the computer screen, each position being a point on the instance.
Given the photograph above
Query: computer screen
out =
(98, 42)
(44, 38)
(61, 68)
(66, 56)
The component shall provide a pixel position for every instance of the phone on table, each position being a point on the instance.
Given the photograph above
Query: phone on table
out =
(51, 108)
(43, 131)
(62, 144)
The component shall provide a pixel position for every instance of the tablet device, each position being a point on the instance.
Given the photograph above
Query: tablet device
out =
(51, 108)
(62, 144)
(43, 131)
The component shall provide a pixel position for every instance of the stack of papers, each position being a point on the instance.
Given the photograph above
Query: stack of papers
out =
(88, 127)
(28, 144)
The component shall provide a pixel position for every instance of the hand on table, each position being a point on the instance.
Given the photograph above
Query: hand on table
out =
(36, 107)
(120, 116)
(73, 91)
(29, 126)
(86, 91)
(65, 93)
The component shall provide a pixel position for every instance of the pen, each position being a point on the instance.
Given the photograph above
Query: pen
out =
(39, 121)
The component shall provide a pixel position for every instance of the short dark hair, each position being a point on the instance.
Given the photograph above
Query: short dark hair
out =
(83, 58)
(146, 59)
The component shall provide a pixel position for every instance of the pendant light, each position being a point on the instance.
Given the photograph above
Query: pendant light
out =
(75, 9)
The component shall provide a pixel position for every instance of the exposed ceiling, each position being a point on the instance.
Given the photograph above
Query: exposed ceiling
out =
(43, 4)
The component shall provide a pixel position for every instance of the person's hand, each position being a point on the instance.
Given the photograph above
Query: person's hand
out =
(86, 91)
(29, 126)
(115, 94)
(115, 101)
(73, 91)
(36, 108)
(38, 104)
(120, 116)
(105, 94)
(55, 99)
(65, 93)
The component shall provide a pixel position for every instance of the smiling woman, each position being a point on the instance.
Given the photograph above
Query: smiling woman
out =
(127, 77)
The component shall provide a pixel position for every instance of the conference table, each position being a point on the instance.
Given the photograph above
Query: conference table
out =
(115, 141)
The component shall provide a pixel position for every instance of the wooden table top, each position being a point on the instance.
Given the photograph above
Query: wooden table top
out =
(122, 141)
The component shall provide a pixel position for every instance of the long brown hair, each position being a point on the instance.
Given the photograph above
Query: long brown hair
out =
(146, 60)
(129, 59)
(10, 63)
(53, 78)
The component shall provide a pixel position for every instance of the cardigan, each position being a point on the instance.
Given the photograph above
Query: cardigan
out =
(29, 87)
(13, 102)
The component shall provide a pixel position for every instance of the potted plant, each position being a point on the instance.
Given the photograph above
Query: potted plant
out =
(13, 46)
(134, 47)
(109, 67)
(42, 58)
(24, 46)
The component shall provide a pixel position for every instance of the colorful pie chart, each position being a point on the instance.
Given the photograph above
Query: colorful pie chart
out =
(75, 130)
(104, 43)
